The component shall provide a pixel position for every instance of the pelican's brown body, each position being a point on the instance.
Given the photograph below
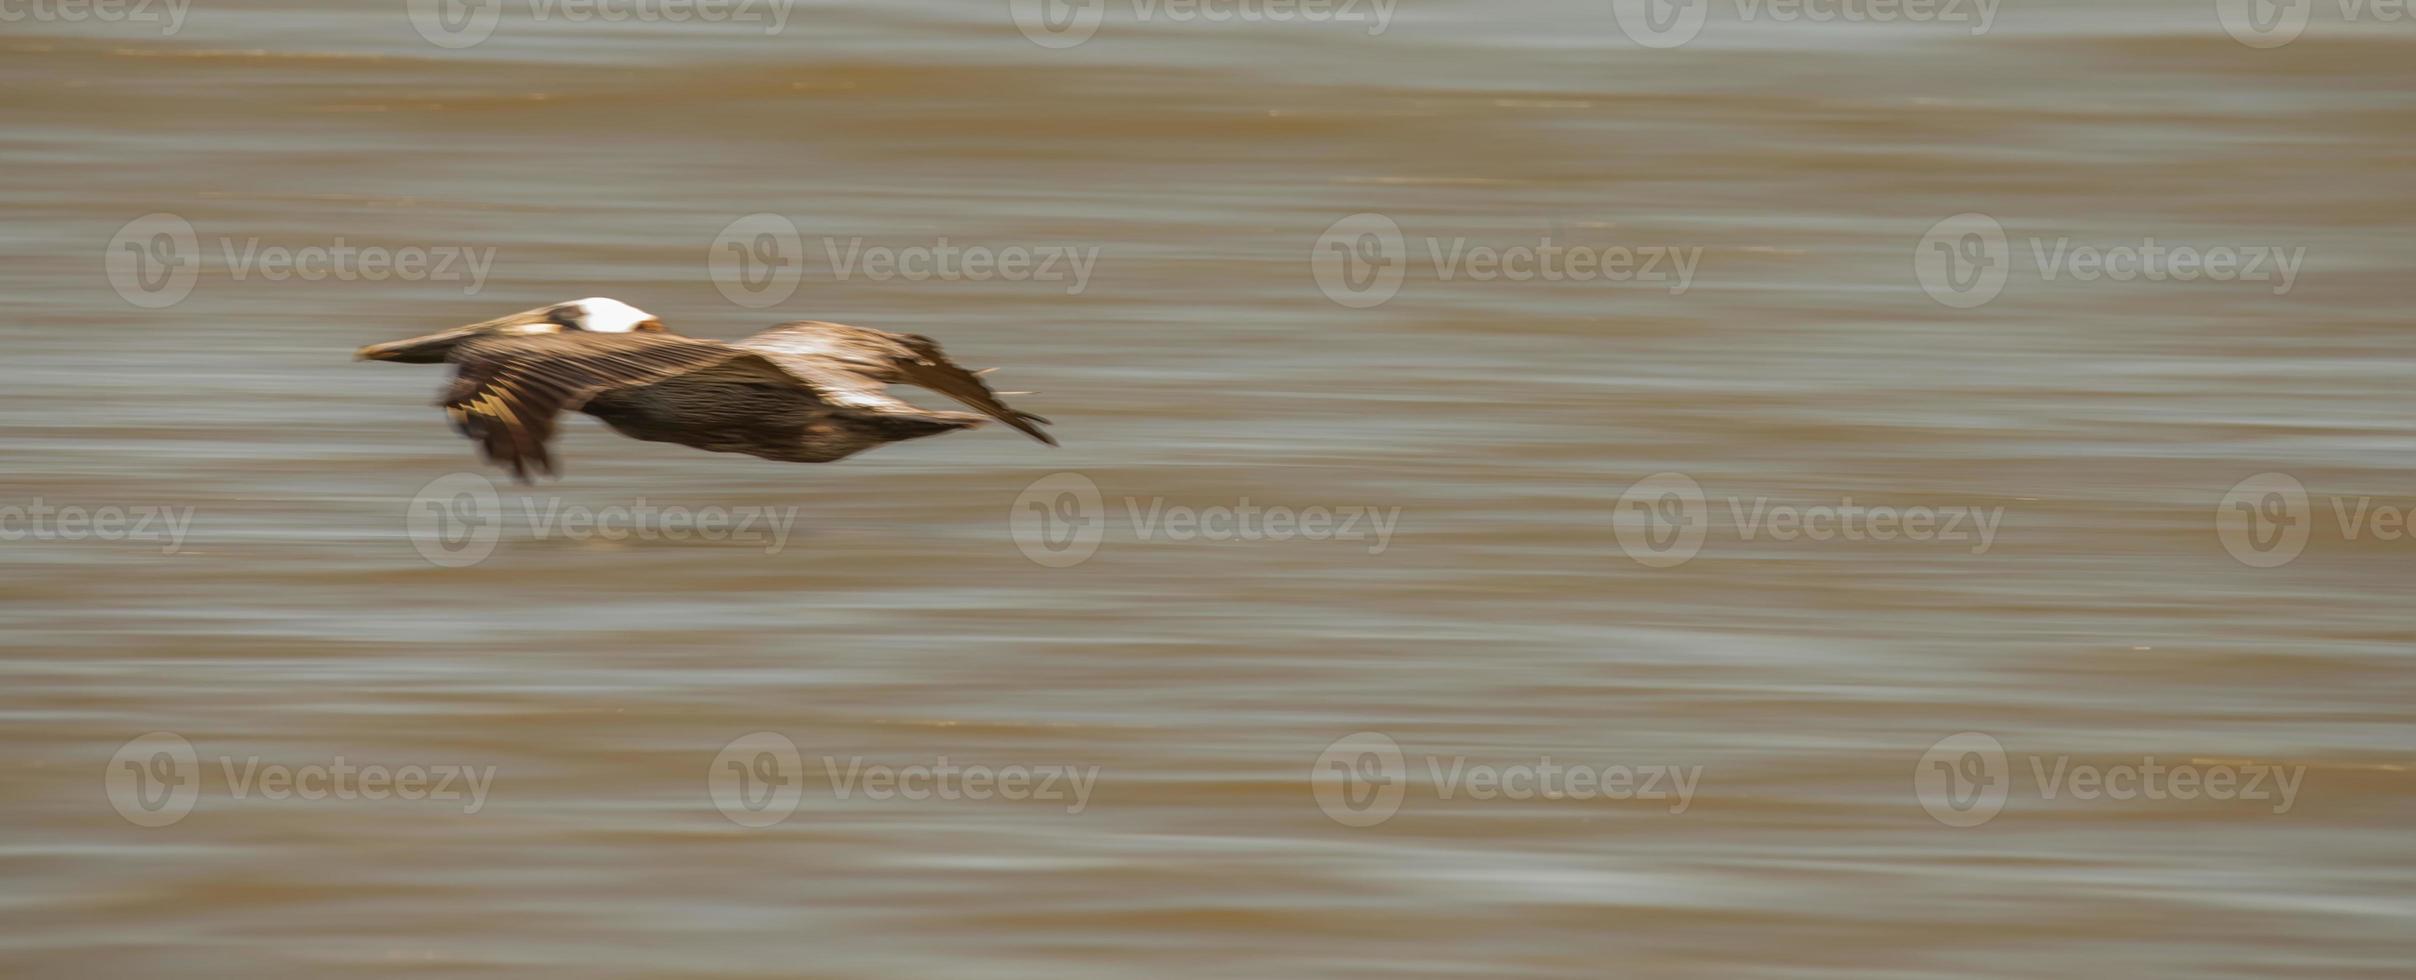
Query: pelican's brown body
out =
(805, 392)
(763, 420)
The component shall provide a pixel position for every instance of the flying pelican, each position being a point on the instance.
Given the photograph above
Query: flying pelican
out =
(805, 392)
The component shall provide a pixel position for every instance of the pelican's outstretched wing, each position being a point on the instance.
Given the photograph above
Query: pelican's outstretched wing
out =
(851, 366)
(507, 389)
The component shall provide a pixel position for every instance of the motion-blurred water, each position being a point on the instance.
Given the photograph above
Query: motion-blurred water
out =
(1513, 616)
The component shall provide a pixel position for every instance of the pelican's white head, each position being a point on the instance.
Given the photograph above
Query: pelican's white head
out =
(598, 314)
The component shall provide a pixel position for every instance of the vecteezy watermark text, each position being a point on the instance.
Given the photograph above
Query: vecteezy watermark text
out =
(757, 780)
(154, 780)
(1965, 779)
(457, 24)
(944, 780)
(167, 15)
(1967, 260)
(1362, 779)
(951, 262)
(1361, 261)
(154, 261)
(456, 520)
(758, 260)
(1674, 23)
(1061, 519)
(40, 520)
(1662, 520)
(1067, 23)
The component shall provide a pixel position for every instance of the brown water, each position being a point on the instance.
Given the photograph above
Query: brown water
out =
(1498, 625)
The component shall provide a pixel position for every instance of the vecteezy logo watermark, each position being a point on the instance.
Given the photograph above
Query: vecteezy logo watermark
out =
(758, 260)
(1059, 520)
(454, 24)
(2268, 23)
(1057, 23)
(2266, 520)
(1660, 23)
(1662, 520)
(38, 520)
(1360, 261)
(1962, 780)
(154, 780)
(1673, 23)
(166, 15)
(1362, 779)
(1965, 779)
(1066, 23)
(1966, 260)
(456, 520)
(2273, 23)
(759, 779)
(153, 261)
(458, 24)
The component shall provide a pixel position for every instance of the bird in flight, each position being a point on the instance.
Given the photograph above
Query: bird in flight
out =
(805, 392)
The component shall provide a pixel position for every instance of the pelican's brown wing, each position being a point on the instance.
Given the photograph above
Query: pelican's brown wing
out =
(507, 390)
(851, 365)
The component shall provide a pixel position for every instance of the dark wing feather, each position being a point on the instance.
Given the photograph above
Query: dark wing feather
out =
(851, 365)
(507, 390)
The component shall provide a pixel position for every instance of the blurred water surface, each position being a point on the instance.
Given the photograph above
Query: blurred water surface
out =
(1499, 623)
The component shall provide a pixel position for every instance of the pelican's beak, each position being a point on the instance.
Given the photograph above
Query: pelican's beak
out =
(430, 349)
(433, 348)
